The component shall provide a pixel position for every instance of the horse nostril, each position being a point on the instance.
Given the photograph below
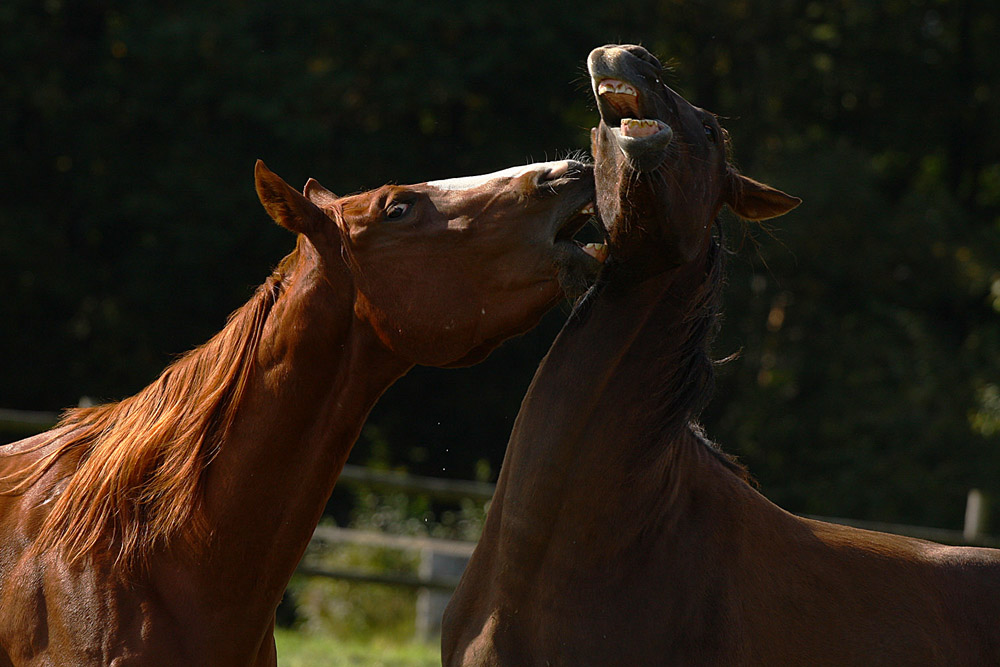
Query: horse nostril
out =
(554, 172)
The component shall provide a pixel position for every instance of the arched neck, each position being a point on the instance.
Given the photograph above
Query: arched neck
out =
(318, 372)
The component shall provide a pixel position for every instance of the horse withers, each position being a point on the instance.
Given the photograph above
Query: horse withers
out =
(163, 529)
(620, 535)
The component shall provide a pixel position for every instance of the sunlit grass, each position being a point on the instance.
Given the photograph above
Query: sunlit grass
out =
(301, 649)
(340, 622)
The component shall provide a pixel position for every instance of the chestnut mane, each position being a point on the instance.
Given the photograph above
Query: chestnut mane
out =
(138, 483)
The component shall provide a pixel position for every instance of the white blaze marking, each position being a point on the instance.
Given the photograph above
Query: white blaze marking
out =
(470, 182)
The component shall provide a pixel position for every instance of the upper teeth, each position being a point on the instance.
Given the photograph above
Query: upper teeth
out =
(615, 86)
(588, 209)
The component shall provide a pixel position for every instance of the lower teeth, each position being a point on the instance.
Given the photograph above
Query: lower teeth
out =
(631, 127)
(598, 251)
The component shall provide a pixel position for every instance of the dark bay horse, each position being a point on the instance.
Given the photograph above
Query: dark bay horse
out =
(618, 534)
(162, 529)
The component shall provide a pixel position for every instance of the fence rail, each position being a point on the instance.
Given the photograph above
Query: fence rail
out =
(442, 561)
(447, 584)
(31, 421)
(333, 534)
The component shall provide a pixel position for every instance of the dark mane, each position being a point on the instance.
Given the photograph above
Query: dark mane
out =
(688, 371)
(139, 481)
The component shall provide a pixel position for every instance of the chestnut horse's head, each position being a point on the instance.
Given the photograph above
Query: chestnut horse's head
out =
(444, 271)
(661, 169)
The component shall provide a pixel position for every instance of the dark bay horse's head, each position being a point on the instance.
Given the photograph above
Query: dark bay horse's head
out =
(444, 271)
(661, 169)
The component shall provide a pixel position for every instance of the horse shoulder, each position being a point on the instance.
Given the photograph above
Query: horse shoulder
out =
(35, 594)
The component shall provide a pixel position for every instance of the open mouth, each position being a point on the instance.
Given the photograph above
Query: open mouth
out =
(642, 140)
(579, 262)
(574, 224)
(622, 109)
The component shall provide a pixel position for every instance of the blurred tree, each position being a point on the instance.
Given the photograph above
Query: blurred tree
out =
(868, 325)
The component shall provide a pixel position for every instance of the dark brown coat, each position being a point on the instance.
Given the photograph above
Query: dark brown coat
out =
(618, 535)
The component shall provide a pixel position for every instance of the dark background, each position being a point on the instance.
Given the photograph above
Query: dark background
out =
(867, 321)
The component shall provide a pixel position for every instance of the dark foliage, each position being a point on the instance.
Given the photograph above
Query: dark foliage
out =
(869, 321)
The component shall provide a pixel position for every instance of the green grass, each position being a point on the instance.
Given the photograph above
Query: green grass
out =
(301, 649)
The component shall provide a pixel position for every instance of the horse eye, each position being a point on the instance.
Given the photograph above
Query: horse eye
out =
(397, 210)
(710, 132)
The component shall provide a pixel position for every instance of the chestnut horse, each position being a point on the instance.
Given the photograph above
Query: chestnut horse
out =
(618, 534)
(163, 529)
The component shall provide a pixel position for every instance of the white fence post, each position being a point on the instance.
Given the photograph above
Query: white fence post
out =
(432, 601)
(974, 516)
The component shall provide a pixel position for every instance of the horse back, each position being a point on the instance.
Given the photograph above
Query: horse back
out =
(971, 593)
(841, 595)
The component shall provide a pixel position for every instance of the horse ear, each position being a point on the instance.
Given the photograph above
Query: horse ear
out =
(285, 205)
(317, 194)
(753, 200)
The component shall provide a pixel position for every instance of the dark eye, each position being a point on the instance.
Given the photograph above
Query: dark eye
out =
(710, 133)
(397, 210)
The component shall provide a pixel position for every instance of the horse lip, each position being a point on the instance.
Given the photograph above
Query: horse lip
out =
(644, 153)
(578, 206)
(659, 140)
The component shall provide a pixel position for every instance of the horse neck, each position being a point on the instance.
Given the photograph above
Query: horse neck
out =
(318, 373)
(603, 438)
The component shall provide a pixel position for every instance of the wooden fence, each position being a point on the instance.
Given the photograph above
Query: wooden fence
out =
(443, 561)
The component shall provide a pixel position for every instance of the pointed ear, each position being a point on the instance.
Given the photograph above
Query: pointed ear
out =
(317, 194)
(286, 206)
(753, 200)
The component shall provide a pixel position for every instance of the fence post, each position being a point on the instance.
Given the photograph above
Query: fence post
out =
(430, 601)
(974, 516)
